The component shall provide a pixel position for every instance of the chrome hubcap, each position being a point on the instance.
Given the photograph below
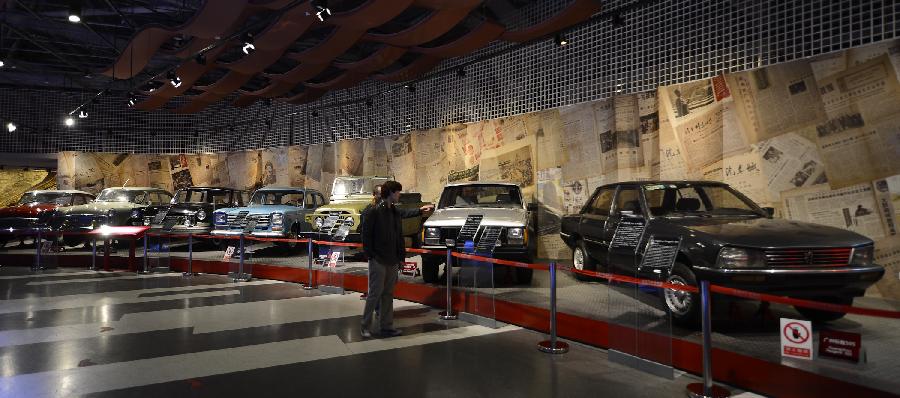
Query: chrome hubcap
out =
(578, 259)
(679, 302)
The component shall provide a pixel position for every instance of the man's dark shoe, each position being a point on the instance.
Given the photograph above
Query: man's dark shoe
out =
(390, 333)
(364, 331)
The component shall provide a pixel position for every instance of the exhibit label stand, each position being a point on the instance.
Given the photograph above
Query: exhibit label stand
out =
(239, 270)
(334, 266)
(635, 309)
(478, 278)
(158, 253)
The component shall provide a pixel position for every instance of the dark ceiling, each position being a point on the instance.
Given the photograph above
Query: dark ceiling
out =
(133, 46)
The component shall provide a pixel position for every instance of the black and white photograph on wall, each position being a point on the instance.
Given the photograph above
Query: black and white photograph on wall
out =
(607, 141)
(690, 96)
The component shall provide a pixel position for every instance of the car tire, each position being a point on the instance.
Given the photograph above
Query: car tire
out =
(524, 275)
(431, 268)
(582, 261)
(683, 306)
(820, 316)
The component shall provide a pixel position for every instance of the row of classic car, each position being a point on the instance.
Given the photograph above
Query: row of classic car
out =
(721, 235)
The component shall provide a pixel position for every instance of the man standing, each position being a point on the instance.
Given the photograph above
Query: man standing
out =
(382, 238)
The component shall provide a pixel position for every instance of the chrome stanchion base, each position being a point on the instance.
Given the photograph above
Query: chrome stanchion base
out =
(144, 272)
(309, 287)
(448, 317)
(548, 347)
(188, 274)
(695, 390)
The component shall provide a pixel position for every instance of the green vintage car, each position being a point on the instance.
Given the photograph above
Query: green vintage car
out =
(339, 220)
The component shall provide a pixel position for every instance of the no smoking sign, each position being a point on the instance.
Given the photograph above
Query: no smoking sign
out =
(796, 338)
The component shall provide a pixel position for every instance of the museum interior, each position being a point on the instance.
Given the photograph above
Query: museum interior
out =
(630, 198)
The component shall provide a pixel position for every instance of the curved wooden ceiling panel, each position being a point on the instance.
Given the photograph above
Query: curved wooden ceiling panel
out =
(349, 29)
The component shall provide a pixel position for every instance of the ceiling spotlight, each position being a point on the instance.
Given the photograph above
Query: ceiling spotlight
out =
(410, 87)
(75, 13)
(200, 59)
(69, 121)
(174, 79)
(11, 127)
(131, 100)
(1, 63)
(82, 114)
(617, 20)
(560, 40)
(321, 9)
(248, 47)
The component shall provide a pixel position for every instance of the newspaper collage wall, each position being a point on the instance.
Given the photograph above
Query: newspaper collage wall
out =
(817, 139)
(15, 181)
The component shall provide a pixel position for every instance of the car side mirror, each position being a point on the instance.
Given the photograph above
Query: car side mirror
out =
(769, 210)
(531, 207)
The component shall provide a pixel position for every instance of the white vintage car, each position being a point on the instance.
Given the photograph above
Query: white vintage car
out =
(483, 218)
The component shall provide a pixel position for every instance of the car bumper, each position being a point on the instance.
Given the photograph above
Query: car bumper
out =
(23, 231)
(839, 281)
(181, 231)
(353, 237)
(259, 234)
(511, 253)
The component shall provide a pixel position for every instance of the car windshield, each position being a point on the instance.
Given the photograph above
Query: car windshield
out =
(698, 200)
(59, 198)
(477, 195)
(346, 186)
(121, 195)
(290, 198)
(218, 197)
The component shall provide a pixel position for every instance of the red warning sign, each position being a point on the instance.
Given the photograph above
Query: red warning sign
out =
(796, 338)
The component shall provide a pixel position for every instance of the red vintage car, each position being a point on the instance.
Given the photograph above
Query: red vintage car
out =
(35, 210)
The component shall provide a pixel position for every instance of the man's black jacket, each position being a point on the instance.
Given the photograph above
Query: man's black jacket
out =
(382, 232)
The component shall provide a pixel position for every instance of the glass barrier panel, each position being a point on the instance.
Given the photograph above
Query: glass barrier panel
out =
(159, 253)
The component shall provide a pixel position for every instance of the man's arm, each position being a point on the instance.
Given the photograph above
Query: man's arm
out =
(368, 231)
(409, 213)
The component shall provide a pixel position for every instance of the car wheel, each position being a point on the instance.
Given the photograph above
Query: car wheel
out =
(524, 275)
(431, 268)
(825, 316)
(582, 261)
(684, 306)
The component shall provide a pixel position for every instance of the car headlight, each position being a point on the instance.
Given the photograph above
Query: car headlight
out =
(277, 218)
(200, 214)
(736, 257)
(515, 236)
(220, 218)
(863, 255)
(147, 220)
(433, 233)
(134, 213)
(319, 222)
(349, 221)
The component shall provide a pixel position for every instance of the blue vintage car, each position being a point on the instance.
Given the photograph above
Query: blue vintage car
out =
(274, 212)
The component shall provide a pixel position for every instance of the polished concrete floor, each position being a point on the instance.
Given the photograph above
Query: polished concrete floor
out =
(70, 332)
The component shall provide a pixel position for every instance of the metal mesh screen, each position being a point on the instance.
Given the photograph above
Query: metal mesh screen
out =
(661, 43)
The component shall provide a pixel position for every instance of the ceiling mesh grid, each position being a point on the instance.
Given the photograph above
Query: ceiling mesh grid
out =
(661, 43)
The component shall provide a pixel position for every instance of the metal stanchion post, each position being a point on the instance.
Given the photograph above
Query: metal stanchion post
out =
(240, 273)
(706, 389)
(190, 270)
(146, 269)
(309, 263)
(448, 315)
(93, 254)
(553, 346)
(37, 254)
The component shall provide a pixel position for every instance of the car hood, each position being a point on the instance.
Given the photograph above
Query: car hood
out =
(26, 210)
(456, 217)
(769, 233)
(99, 207)
(261, 209)
(351, 205)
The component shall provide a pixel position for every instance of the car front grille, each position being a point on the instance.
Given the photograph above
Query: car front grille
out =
(241, 219)
(817, 257)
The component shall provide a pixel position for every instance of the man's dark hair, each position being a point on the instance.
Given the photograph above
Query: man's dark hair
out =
(389, 187)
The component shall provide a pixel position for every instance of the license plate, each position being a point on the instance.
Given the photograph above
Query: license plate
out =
(342, 232)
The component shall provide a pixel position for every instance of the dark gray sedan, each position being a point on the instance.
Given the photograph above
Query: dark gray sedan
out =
(721, 236)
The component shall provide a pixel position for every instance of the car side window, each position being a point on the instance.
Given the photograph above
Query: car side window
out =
(628, 199)
(78, 200)
(164, 198)
(602, 202)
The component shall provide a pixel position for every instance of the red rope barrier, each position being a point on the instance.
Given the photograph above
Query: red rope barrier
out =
(542, 267)
(805, 303)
